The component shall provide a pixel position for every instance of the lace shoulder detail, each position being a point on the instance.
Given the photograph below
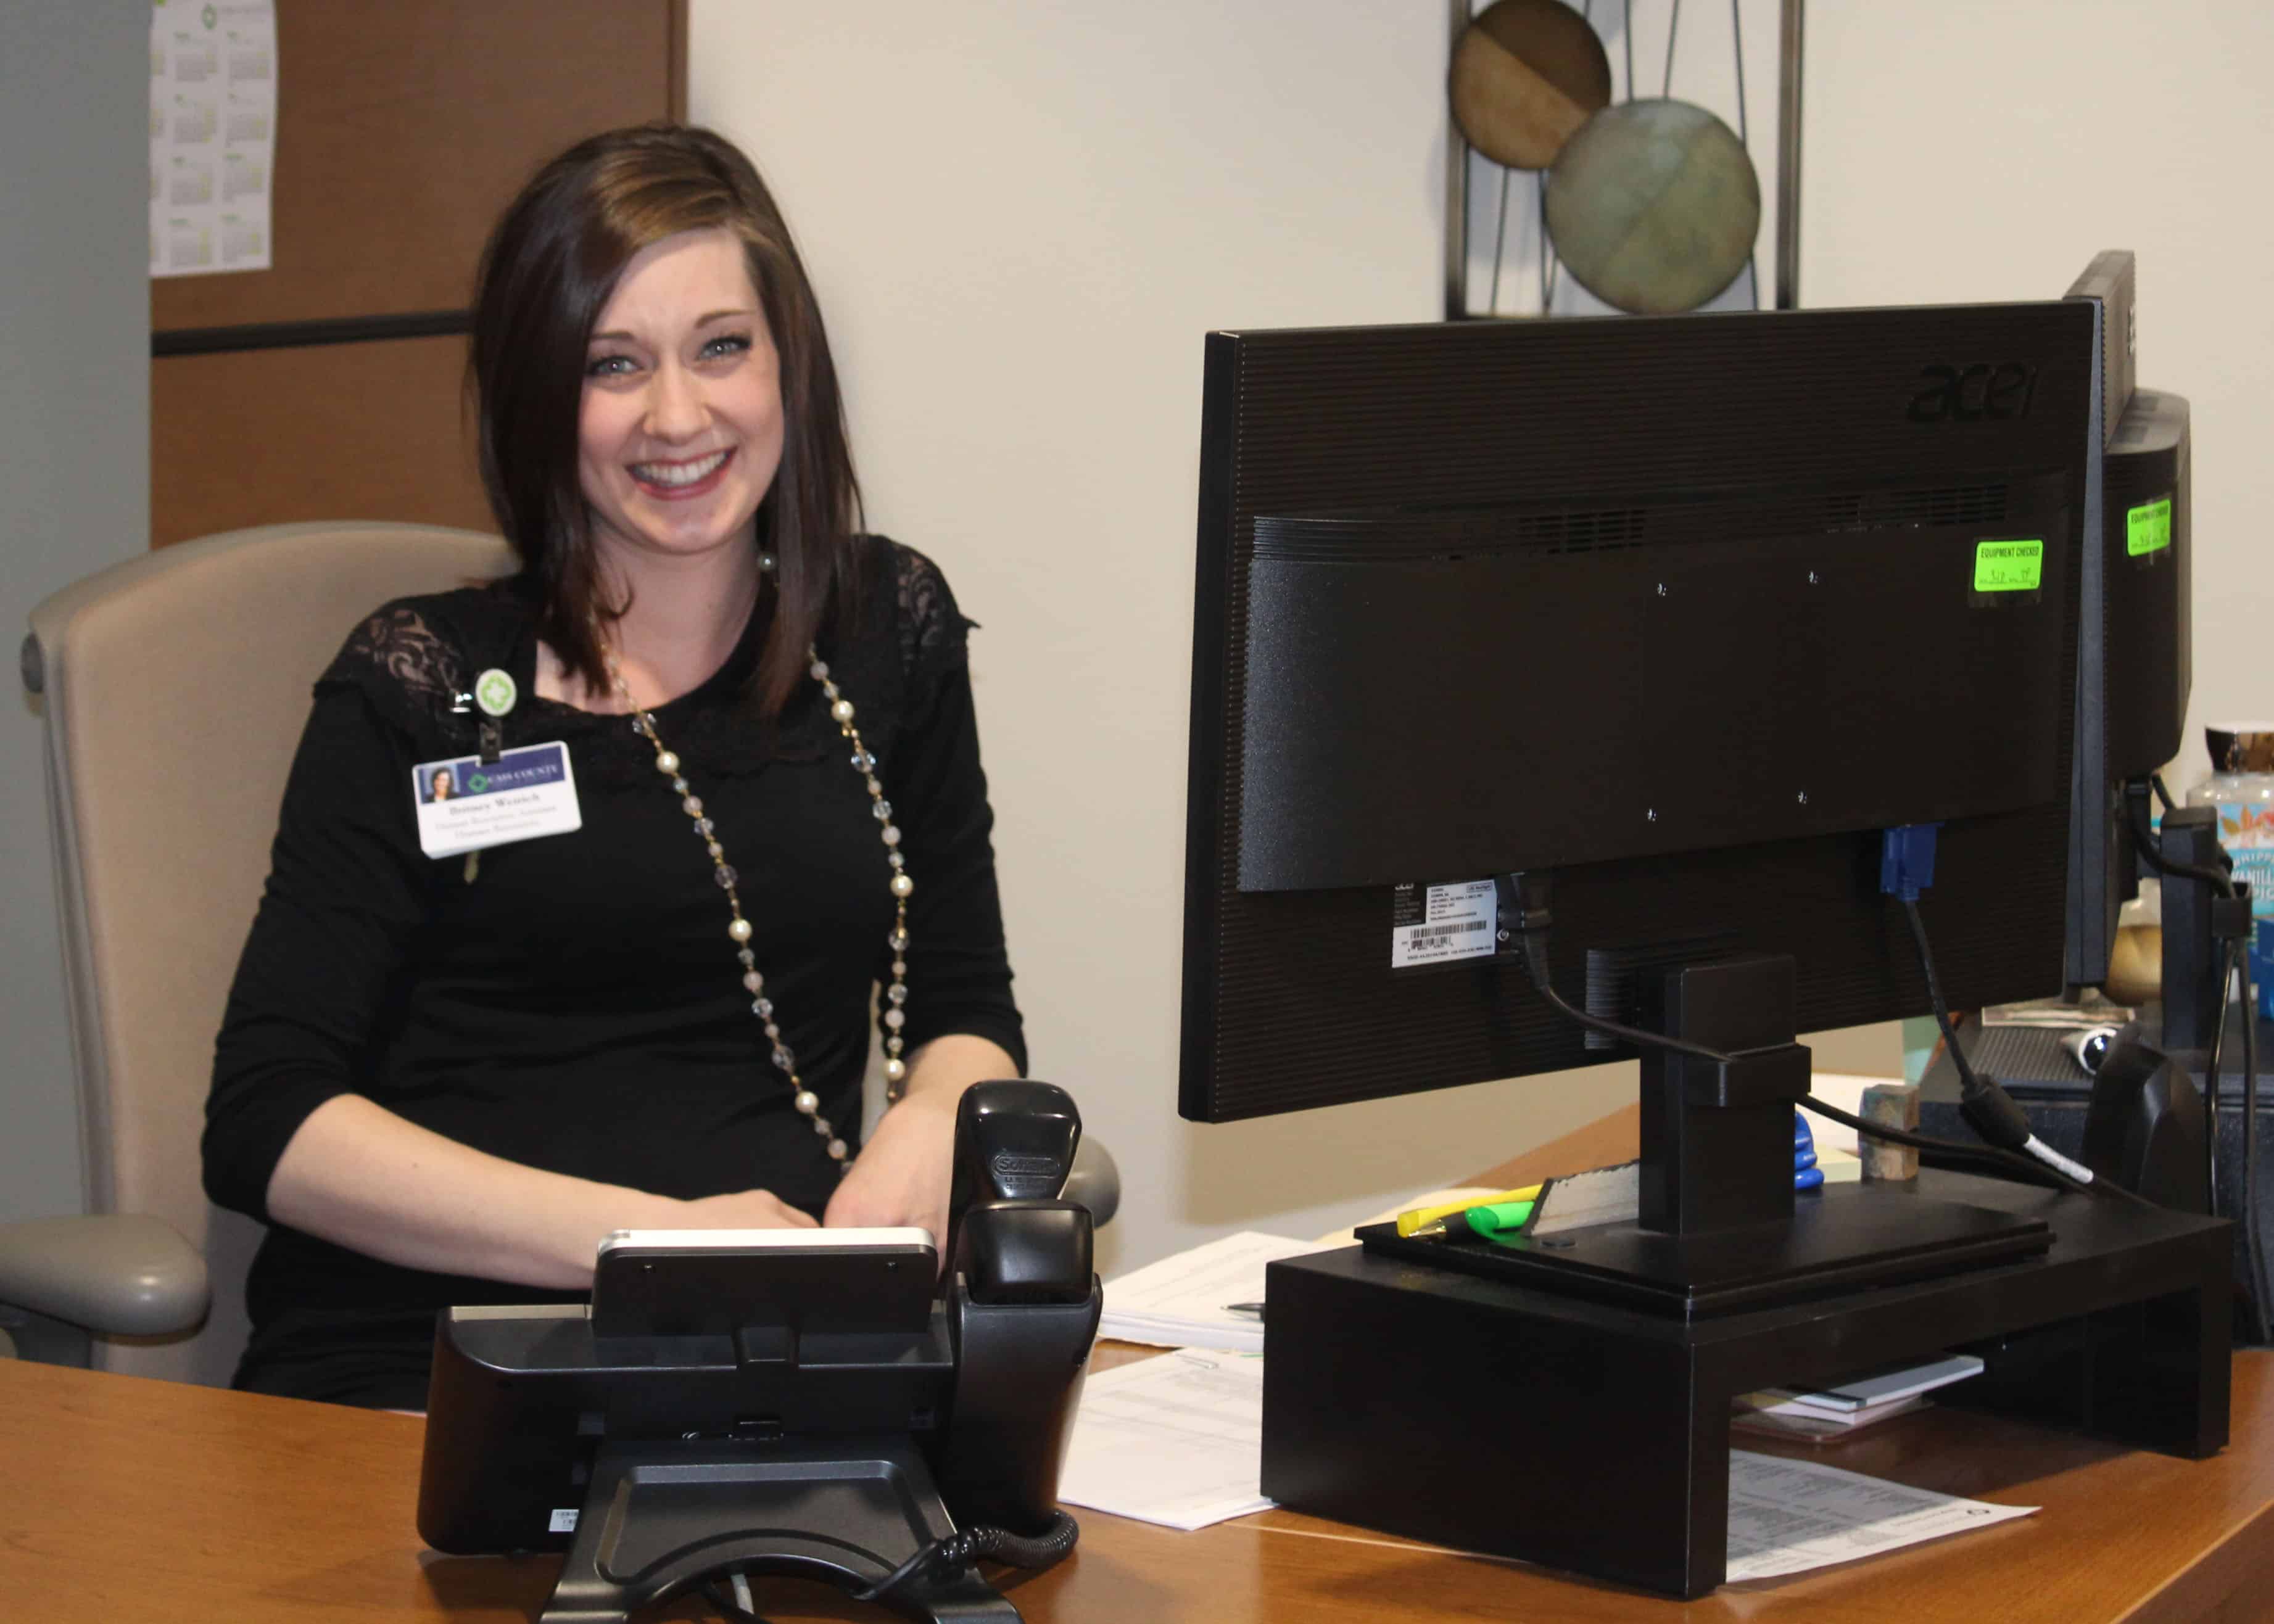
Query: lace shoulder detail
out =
(398, 644)
(414, 657)
(932, 630)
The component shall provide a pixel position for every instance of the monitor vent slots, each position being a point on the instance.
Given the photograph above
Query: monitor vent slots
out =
(1359, 534)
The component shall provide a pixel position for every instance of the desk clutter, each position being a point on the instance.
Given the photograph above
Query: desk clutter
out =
(1177, 1440)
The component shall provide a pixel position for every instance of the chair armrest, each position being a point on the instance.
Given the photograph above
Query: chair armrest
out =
(116, 1273)
(1095, 1181)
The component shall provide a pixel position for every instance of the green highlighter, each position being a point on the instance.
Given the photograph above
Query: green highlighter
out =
(1505, 1218)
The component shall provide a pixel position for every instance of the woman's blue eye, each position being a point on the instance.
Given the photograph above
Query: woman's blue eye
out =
(727, 343)
(607, 366)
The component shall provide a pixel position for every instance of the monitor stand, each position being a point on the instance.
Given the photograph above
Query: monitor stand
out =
(1571, 1405)
(1721, 1228)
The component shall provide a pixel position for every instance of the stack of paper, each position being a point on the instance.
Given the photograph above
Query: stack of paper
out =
(1184, 1301)
(1177, 1441)
(1816, 1414)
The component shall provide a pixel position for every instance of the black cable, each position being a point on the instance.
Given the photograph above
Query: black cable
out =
(1984, 1105)
(2254, 1242)
(2213, 1065)
(1954, 1150)
(967, 1547)
(1535, 960)
(1631, 1034)
(1967, 1079)
(726, 1606)
(960, 1549)
(2143, 837)
(2163, 794)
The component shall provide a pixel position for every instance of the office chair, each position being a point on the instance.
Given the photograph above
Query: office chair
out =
(176, 687)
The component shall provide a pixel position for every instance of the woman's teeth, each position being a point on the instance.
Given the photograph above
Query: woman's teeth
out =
(678, 473)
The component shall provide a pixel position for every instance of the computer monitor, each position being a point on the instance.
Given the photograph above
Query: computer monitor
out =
(1682, 610)
(2134, 658)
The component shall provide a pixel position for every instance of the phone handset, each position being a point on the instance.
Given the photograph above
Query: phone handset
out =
(1023, 1303)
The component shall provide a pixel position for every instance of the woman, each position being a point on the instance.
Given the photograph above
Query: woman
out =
(444, 1081)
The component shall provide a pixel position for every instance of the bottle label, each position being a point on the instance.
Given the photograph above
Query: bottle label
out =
(2246, 829)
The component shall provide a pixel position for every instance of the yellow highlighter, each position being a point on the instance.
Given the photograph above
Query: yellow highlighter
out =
(1408, 1222)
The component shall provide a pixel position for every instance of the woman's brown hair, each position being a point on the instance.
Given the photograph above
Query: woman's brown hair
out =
(549, 269)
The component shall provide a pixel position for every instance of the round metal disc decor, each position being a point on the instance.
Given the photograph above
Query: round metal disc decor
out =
(1526, 74)
(1653, 206)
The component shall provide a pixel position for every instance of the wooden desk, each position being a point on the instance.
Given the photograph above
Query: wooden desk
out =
(122, 1498)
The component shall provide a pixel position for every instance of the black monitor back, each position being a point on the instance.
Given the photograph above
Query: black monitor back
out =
(2135, 660)
(1684, 609)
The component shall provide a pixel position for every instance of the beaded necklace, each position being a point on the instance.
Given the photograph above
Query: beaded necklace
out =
(896, 995)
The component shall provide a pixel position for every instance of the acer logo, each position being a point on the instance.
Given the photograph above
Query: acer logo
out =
(1970, 393)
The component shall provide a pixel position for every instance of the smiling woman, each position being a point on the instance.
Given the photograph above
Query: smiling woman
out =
(648, 1005)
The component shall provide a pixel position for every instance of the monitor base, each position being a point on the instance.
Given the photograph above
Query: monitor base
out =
(1522, 1421)
(1841, 1239)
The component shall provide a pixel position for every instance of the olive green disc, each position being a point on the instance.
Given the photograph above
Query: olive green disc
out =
(1526, 74)
(1654, 206)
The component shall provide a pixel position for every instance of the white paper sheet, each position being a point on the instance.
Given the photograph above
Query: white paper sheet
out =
(1179, 1301)
(1788, 1516)
(213, 135)
(1177, 1441)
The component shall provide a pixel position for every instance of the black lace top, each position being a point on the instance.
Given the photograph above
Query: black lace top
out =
(577, 1005)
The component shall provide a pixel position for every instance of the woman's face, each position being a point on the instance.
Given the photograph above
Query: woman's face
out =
(680, 428)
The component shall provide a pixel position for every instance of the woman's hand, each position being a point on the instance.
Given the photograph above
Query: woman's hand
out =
(901, 1177)
(742, 1209)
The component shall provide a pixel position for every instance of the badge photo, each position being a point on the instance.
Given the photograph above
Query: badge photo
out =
(465, 804)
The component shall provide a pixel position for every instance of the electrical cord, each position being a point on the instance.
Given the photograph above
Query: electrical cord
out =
(960, 1549)
(2236, 968)
(2144, 838)
(736, 1606)
(2214, 1065)
(1533, 937)
(2026, 1169)
(2254, 1241)
(1612, 1028)
(967, 1546)
(1984, 1104)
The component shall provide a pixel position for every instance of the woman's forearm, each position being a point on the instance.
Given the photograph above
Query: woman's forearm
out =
(358, 1175)
(949, 1063)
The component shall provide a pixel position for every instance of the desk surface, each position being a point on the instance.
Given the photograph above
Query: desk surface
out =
(123, 1498)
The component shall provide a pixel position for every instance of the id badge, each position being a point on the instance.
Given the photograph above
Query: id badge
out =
(464, 805)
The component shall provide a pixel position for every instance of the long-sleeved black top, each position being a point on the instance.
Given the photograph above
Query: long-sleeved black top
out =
(576, 1004)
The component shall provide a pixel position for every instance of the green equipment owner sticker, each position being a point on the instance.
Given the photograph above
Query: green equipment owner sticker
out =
(2009, 565)
(2147, 528)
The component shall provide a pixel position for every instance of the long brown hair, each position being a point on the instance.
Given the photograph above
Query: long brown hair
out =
(550, 269)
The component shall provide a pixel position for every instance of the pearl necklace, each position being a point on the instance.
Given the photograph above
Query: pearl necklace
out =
(896, 996)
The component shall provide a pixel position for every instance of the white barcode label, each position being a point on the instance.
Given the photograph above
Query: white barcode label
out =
(1455, 921)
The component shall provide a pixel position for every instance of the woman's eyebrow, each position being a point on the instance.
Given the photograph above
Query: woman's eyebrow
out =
(701, 321)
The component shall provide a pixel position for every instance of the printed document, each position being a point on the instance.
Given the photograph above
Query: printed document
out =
(1177, 1441)
(1788, 1516)
(1180, 1302)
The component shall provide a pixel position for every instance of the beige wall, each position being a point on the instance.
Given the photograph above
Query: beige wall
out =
(1022, 220)
(1968, 152)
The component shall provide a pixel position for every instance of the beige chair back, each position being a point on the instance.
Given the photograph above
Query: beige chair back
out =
(175, 688)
